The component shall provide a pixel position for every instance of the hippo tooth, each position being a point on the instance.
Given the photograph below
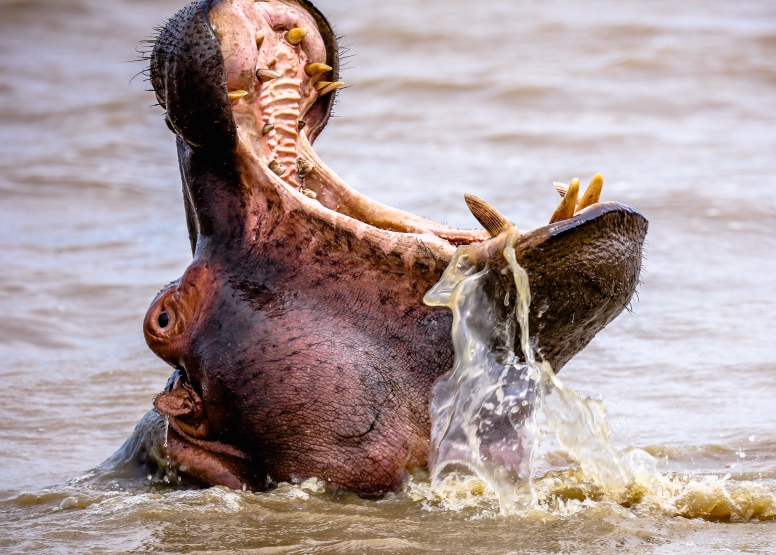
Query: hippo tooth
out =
(267, 128)
(259, 38)
(308, 193)
(265, 75)
(320, 84)
(566, 207)
(303, 168)
(316, 69)
(237, 94)
(592, 193)
(301, 124)
(490, 218)
(276, 167)
(562, 189)
(329, 87)
(296, 35)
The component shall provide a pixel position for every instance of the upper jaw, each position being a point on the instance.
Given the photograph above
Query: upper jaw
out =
(275, 87)
(268, 114)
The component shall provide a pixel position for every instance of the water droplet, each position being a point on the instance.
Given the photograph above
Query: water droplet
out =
(166, 428)
(69, 503)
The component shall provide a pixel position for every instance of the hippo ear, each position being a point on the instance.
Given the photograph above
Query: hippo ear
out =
(189, 77)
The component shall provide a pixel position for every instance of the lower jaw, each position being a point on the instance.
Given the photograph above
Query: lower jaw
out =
(188, 463)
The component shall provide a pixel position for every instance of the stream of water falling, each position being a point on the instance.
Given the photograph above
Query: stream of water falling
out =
(484, 410)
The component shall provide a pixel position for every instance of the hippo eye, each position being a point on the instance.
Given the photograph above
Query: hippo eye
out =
(164, 319)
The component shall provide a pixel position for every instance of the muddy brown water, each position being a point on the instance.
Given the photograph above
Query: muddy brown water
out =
(673, 102)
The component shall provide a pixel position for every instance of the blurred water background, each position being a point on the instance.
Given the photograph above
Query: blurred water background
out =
(673, 102)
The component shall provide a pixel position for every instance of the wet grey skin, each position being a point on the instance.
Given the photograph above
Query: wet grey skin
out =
(298, 337)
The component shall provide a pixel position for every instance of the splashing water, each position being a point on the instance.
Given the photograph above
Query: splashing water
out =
(484, 410)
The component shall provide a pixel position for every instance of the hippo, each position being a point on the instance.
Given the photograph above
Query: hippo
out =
(299, 342)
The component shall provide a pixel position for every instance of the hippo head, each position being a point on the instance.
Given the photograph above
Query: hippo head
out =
(299, 340)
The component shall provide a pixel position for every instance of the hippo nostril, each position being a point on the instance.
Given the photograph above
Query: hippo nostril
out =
(164, 319)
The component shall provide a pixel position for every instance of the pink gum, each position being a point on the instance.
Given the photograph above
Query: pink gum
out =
(281, 102)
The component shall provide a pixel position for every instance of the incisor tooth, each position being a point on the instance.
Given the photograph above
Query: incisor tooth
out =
(259, 38)
(326, 89)
(277, 168)
(237, 94)
(308, 193)
(296, 35)
(566, 207)
(490, 218)
(267, 128)
(265, 75)
(316, 69)
(592, 193)
(562, 189)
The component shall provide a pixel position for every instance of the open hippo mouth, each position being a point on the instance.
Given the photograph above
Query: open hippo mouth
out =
(298, 335)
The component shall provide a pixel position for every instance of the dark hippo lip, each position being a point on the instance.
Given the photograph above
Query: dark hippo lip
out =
(299, 338)
(182, 421)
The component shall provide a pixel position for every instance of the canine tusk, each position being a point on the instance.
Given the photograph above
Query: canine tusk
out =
(237, 94)
(562, 188)
(316, 69)
(259, 38)
(490, 218)
(593, 192)
(296, 35)
(329, 87)
(566, 207)
(265, 75)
